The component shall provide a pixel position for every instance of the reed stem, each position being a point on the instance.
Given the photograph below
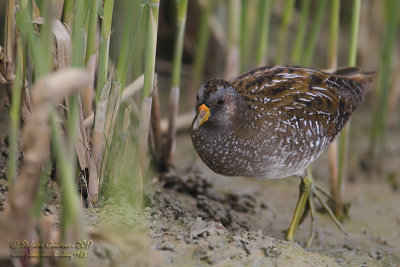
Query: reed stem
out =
(283, 31)
(334, 34)
(244, 35)
(104, 47)
(91, 47)
(232, 61)
(344, 136)
(68, 12)
(15, 114)
(180, 37)
(333, 149)
(263, 18)
(128, 42)
(301, 30)
(392, 8)
(151, 47)
(308, 55)
(355, 25)
(203, 36)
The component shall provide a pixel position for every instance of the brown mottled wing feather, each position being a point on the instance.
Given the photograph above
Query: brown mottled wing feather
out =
(329, 98)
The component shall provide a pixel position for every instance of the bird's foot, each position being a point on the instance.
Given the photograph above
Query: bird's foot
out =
(308, 190)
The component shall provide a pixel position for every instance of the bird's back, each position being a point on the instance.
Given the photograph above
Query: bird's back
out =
(301, 93)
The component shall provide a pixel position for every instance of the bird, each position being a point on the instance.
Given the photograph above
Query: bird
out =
(274, 121)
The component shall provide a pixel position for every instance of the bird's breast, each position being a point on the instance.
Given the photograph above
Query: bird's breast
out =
(274, 149)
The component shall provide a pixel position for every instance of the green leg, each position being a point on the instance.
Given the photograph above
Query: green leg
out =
(305, 189)
(313, 219)
(307, 193)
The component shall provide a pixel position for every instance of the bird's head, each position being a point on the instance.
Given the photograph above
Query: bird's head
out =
(217, 105)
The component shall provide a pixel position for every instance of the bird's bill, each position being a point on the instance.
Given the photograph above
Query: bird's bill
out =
(202, 116)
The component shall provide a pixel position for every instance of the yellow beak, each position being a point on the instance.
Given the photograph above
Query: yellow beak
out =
(202, 116)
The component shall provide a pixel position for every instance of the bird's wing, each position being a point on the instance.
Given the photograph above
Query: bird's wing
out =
(329, 98)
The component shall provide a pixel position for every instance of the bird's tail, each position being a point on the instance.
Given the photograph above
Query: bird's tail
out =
(355, 74)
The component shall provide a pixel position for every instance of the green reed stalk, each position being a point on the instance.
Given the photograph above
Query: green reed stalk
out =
(68, 12)
(151, 44)
(78, 53)
(91, 46)
(203, 36)
(307, 56)
(138, 55)
(46, 39)
(128, 41)
(9, 51)
(344, 136)
(71, 217)
(333, 149)
(355, 24)
(177, 62)
(104, 47)
(263, 18)
(334, 34)
(170, 144)
(244, 35)
(67, 174)
(392, 8)
(77, 60)
(283, 31)
(64, 152)
(34, 44)
(15, 113)
(301, 30)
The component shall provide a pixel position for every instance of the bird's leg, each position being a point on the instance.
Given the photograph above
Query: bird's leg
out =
(312, 212)
(305, 190)
(307, 193)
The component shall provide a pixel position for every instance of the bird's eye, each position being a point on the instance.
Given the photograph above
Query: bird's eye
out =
(220, 102)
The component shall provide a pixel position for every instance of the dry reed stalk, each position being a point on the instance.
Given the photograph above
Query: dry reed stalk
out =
(10, 40)
(63, 44)
(143, 144)
(170, 145)
(218, 31)
(111, 119)
(332, 64)
(121, 153)
(132, 88)
(17, 220)
(57, 9)
(183, 122)
(88, 93)
(156, 135)
(8, 54)
(98, 143)
(81, 141)
(88, 122)
(63, 59)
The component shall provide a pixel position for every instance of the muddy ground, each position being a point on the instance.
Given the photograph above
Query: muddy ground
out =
(194, 217)
(198, 218)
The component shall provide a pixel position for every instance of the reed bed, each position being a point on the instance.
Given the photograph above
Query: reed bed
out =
(98, 103)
